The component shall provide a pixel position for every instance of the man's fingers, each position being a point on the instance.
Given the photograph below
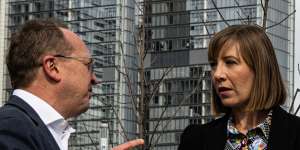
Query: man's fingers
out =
(130, 144)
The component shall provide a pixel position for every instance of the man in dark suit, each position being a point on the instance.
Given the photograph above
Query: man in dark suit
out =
(50, 69)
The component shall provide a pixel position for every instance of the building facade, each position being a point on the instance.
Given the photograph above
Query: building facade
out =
(177, 73)
(2, 48)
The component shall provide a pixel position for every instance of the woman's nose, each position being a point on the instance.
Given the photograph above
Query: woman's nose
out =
(218, 73)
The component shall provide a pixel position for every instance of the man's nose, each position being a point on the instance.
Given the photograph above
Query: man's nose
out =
(94, 80)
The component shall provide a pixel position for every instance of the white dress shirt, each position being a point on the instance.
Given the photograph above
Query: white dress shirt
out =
(57, 125)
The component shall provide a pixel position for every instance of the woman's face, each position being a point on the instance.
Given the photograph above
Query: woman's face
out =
(232, 77)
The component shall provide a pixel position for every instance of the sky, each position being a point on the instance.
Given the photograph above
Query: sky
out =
(297, 53)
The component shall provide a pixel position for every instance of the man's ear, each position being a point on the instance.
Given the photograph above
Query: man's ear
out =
(50, 68)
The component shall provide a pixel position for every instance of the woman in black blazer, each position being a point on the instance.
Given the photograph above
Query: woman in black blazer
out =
(247, 93)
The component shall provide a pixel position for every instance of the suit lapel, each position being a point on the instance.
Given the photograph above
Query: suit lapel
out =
(22, 105)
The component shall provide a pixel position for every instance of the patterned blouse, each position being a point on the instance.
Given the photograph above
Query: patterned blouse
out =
(255, 139)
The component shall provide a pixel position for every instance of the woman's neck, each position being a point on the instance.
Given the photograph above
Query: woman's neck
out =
(244, 121)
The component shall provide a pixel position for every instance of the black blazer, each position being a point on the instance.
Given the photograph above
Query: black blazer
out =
(22, 129)
(284, 133)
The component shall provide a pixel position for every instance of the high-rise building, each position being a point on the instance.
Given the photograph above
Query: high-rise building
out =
(107, 27)
(177, 36)
(177, 33)
(2, 47)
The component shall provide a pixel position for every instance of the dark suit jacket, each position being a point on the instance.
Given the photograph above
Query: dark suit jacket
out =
(284, 133)
(22, 129)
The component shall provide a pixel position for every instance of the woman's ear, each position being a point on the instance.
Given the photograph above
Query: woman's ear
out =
(50, 68)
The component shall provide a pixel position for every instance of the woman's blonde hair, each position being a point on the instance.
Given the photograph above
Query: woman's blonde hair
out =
(256, 49)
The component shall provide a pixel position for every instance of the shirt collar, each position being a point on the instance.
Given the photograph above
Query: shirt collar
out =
(61, 126)
(264, 126)
(46, 112)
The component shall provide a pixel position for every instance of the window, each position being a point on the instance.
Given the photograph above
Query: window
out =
(250, 12)
(99, 24)
(97, 37)
(170, 46)
(211, 16)
(26, 7)
(169, 100)
(185, 43)
(170, 19)
(16, 8)
(156, 99)
(38, 6)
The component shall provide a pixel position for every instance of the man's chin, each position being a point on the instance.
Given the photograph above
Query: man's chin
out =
(82, 110)
(85, 109)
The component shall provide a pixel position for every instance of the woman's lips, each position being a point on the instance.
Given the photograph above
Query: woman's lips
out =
(224, 92)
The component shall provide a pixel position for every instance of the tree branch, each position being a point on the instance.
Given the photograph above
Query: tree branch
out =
(216, 7)
(156, 87)
(238, 5)
(128, 83)
(281, 20)
(117, 117)
(265, 13)
(293, 101)
(152, 95)
(262, 5)
(204, 23)
(93, 142)
(295, 113)
(176, 111)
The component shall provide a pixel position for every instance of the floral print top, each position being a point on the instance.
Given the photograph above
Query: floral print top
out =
(255, 139)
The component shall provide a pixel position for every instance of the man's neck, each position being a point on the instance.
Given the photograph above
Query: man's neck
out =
(46, 94)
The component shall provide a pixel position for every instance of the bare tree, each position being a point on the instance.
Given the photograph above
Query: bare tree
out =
(141, 99)
(294, 99)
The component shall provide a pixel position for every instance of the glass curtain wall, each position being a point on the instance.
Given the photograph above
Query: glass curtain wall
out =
(2, 48)
(177, 73)
(176, 42)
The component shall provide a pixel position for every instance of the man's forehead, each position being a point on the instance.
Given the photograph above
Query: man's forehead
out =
(69, 35)
(74, 40)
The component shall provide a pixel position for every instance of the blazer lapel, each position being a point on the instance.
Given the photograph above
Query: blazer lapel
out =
(217, 134)
(22, 105)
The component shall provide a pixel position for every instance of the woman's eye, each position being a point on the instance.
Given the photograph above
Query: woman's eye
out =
(213, 64)
(230, 62)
